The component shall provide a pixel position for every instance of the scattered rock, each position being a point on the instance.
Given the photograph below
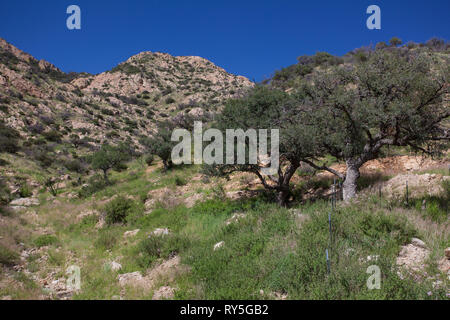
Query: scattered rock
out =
(24, 202)
(418, 243)
(447, 253)
(159, 232)
(235, 218)
(412, 257)
(131, 233)
(115, 266)
(164, 293)
(418, 185)
(192, 200)
(132, 278)
(18, 208)
(373, 258)
(85, 214)
(444, 266)
(100, 224)
(219, 245)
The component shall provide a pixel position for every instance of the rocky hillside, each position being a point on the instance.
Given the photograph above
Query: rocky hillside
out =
(41, 101)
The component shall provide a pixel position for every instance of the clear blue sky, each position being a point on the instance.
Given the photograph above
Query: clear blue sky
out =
(246, 37)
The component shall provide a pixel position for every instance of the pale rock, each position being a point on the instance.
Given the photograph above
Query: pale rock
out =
(129, 278)
(24, 202)
(164, 293)
(131, 233)
(235, 218)
(418, 243)
(219, 245)
(447, 253)
(159, 232)
(115, 266)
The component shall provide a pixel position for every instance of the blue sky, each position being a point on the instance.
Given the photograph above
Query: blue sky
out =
(246, 37)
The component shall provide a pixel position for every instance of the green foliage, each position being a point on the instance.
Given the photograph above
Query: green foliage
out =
(120, 209)
(149, 159)
(106, 240)
(389, 98)
(25, 191)
(267, 250)
(170, 100)
(161, 144)
(435, 207)
(5, 195)
(155, 247)
(179, 181)
(395, 42)
(74, 165)
(126, 68)
(7, 256)
(268, 109)
(111, 157)
(9, 139)
(95, 184)
(45, 240)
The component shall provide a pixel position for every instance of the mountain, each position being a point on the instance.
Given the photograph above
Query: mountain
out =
(39, 100)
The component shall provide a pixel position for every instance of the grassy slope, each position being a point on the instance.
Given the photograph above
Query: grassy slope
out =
(270, 249)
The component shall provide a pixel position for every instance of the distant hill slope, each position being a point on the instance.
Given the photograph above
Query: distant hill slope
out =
(123, 103)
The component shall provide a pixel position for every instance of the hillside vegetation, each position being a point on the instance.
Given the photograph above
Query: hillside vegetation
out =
(87, 180)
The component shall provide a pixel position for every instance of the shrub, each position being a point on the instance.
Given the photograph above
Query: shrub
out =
(394, 42)
(45, 240)
(44, 158)
(118, 209)
(4, 108)
(111, 157)
(8, 139)
(170, 100)
(74, 165)
(180, 181)
(152, 248)
(25, 191)
(96, 183)
(7, 256)
(4, 193)
(52, 135)
(149, 159)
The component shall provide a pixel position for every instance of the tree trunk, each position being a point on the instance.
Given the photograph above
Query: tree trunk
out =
(105, 175)
(351, 177)
(283, 197)
(167, 164)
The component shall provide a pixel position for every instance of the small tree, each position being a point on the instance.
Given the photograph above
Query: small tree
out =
(110, 157)
(394, 42)
(264, 108)
(392, 99)
(9, 139)
(51, 185)
(161, 144)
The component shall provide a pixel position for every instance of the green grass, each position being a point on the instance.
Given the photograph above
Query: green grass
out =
(7, 256)
(269, 249)
(45, 240)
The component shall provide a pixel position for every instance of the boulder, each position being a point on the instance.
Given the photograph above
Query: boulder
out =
(130, 278)
(24, 202)
(418, 243)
